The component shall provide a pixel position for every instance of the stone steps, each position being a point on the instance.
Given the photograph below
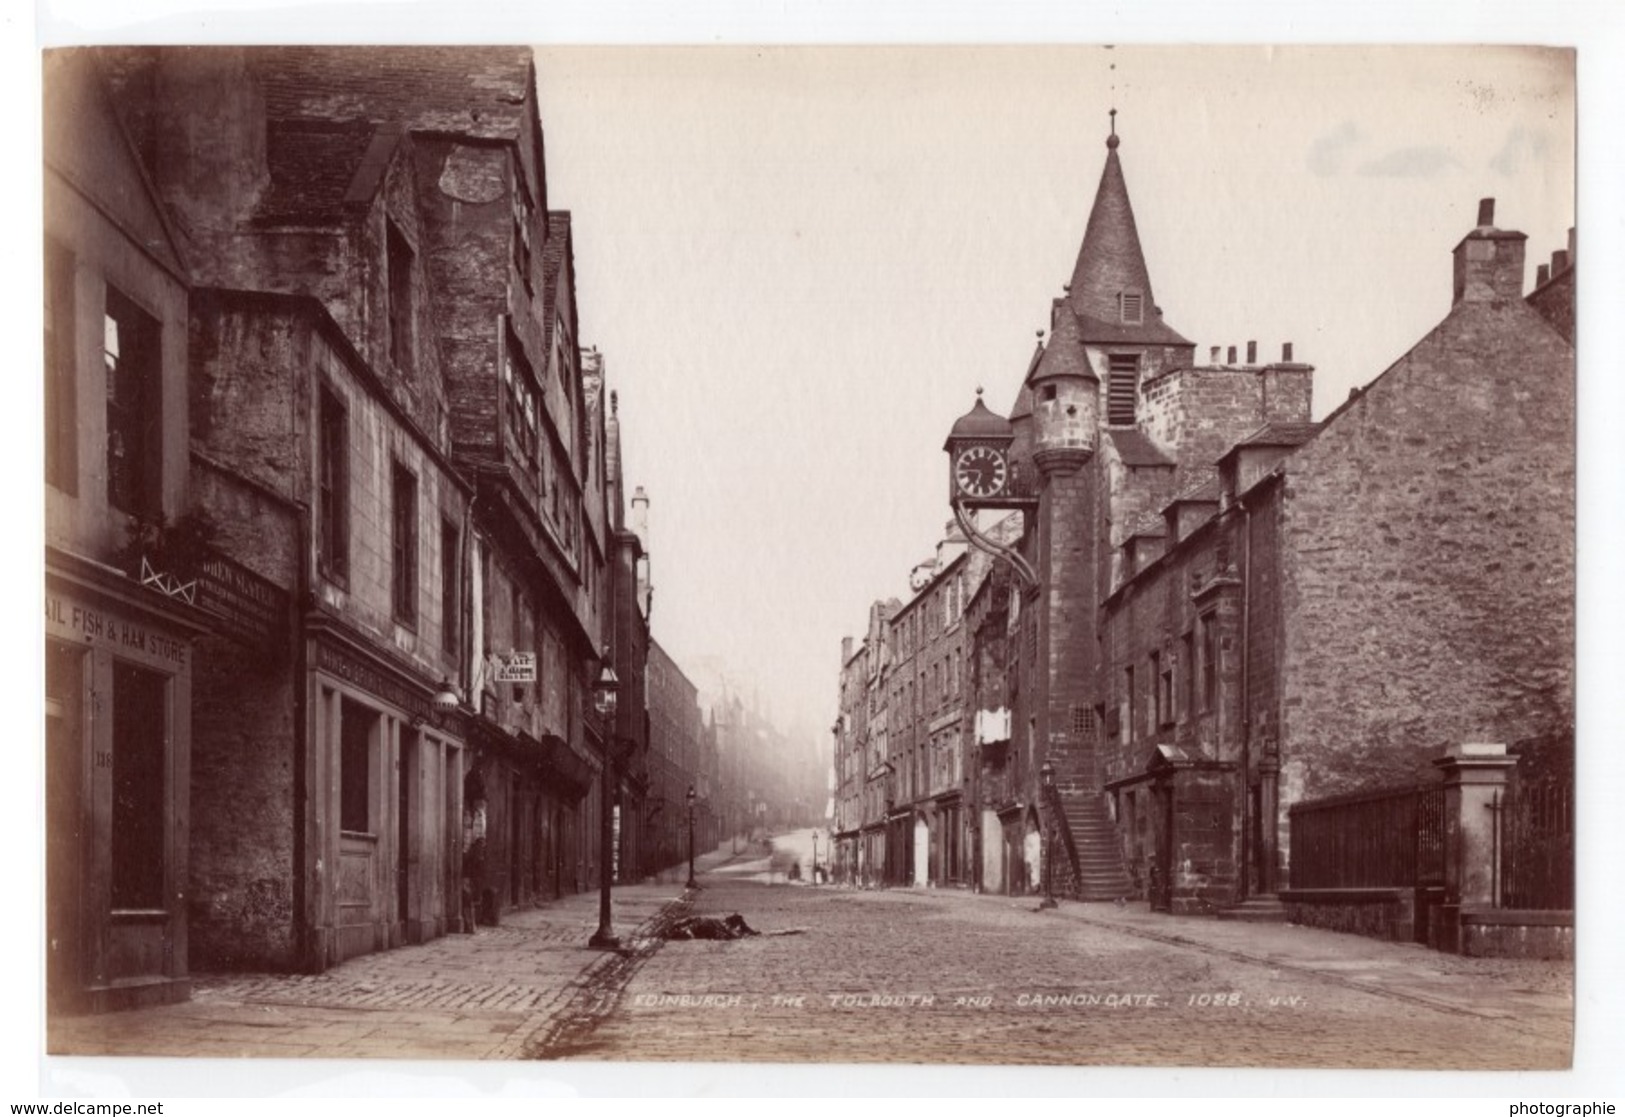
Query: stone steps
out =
(1255, 909)
(1097, 873)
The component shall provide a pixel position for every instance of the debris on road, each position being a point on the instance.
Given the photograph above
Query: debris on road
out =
(719, 927)
(709, 927)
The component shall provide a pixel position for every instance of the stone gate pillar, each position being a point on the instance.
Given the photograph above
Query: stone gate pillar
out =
(1475, 776)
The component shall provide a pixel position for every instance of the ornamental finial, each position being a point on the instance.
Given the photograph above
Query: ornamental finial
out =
(1111, 140)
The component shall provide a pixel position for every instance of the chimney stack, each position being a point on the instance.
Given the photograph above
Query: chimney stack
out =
(1252, 352)
(1560, 262)
(1213, 355)
(1231, 358)
(1286, 352)
(1488, 262)
(1542, 273)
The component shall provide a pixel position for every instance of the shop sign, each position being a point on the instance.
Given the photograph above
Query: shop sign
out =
(516, 667)
(248, 606)
(69, 619)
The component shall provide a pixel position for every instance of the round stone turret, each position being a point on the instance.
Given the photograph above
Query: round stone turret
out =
(1066, 401)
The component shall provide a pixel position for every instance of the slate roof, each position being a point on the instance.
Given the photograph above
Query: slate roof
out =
(1064, 355)
(1024, 404)
(312, 164)
(1149, 526)
(333, 112)
(1150, 332)
(1134, 448)
(1281, 434)
(470, 91)
(1111, 261)
(1202, 492)
(1024, 398)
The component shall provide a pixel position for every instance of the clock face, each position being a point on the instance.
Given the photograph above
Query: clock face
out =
(980, 471)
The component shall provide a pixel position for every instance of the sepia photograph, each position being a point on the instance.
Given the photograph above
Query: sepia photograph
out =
(1042, 555)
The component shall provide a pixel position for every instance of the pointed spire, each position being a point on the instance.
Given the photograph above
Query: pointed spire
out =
(1110, 262)
(1111, 286)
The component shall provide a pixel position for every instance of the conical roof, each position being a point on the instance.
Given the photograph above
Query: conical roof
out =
(1024, 398)
(1111, 263)
(1064, 355)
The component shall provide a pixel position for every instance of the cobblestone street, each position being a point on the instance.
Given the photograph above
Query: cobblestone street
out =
(924, 976)
(904, 976)
(480, 996)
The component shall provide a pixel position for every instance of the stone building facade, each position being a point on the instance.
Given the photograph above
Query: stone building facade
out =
(673, 763)
(904, 755)
(343, 540)
(121, 628)
(1339, 616)
(1218, 607)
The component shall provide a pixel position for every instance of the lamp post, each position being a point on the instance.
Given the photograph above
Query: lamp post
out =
(605, 699)
(815, 858)
(1046, 776)
(692, 883)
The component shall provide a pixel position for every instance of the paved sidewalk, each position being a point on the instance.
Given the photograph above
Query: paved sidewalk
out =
(1536, 992)
(479, 996)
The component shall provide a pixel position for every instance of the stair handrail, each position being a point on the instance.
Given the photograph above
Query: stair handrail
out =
(1052, 806)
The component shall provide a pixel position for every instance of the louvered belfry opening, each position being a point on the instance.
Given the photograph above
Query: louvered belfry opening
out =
(1120, 384)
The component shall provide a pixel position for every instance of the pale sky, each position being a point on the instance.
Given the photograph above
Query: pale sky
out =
(800, 264)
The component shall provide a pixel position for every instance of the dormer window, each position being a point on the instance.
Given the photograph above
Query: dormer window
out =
(1131, 308)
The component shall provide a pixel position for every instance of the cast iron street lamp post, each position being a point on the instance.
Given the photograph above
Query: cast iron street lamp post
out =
(1046, 775)
(692, 883)
(604, 699)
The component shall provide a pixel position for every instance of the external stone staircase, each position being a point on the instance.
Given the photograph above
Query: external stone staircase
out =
(1092, 868)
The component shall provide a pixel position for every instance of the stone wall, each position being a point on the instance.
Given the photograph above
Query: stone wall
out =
(1378, 913)
(1196, 414)
(242, 867)
(1505, 933)
(1156, 614)
(1428, 557)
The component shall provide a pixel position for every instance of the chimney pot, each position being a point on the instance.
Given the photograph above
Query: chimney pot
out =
(1286, 351)
(1252, 352)
(1542, 273)
(1486, 212)
(1231, 355)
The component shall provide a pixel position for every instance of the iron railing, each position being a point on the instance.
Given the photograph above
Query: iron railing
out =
(1389, 838)
(1534, 831)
